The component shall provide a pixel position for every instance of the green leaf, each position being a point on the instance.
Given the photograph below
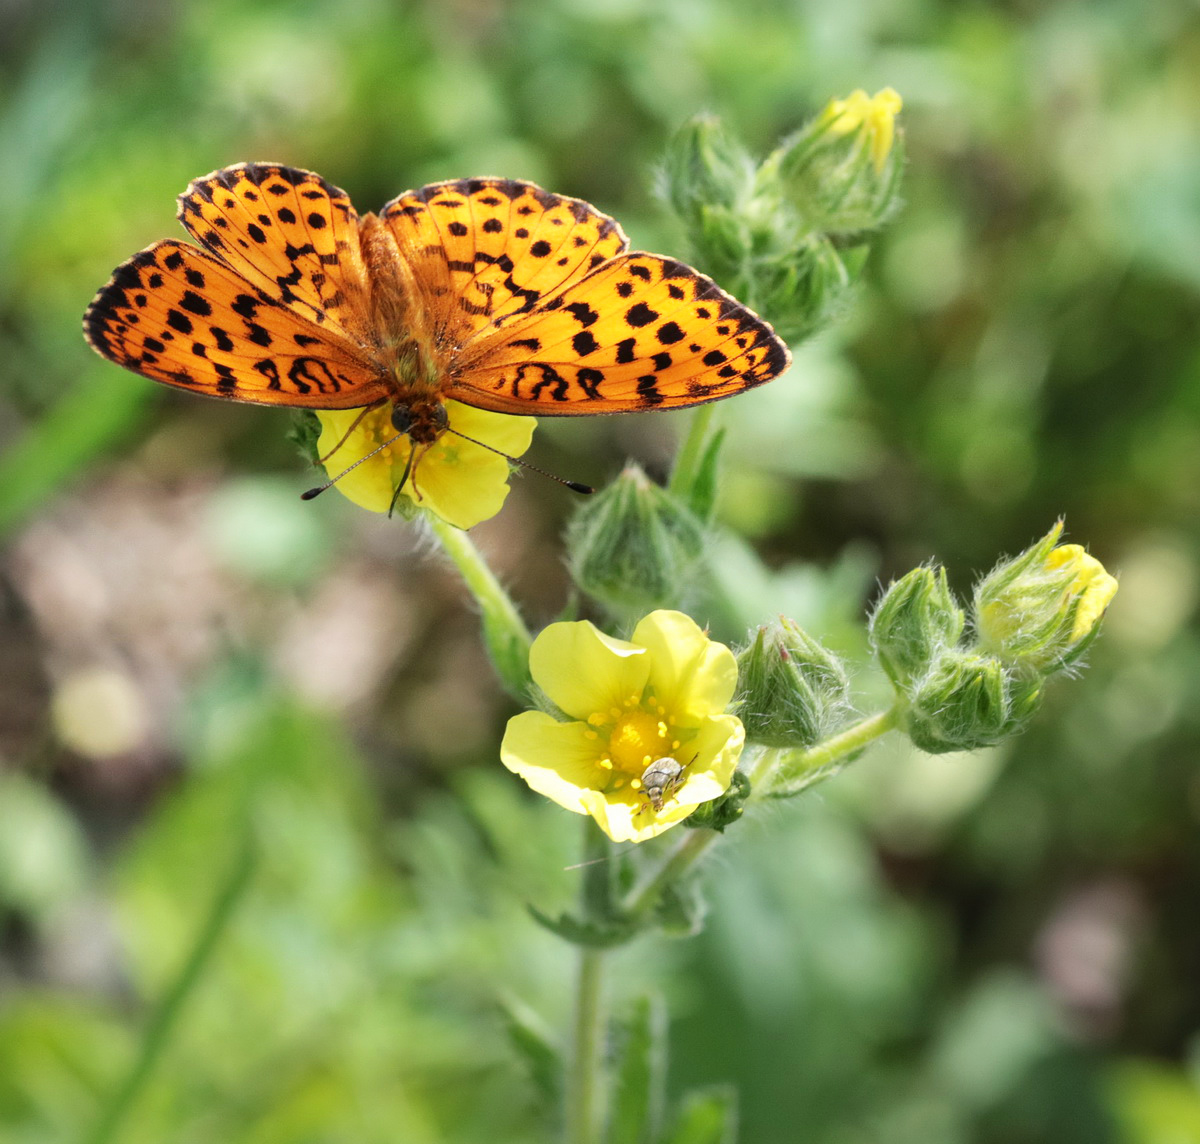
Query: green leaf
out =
(706, 1116)
(594, 934)
(681, 908)
(702, 496)
(639, 1082)
(536, 1046)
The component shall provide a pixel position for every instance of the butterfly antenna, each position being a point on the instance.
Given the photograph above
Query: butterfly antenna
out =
(574, 486)
(310, 493)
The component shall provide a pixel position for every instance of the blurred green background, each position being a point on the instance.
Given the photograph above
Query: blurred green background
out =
(994, 948)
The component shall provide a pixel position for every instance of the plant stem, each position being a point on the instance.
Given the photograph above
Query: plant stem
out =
(681, 857)
(504, 631)
(687, 460)
(798, 770)
(166, 1014)
(585, 1082)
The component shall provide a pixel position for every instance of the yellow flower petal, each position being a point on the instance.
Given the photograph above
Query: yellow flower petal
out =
(460, 481)
(690, 673)
(555, 759)
(876, 115)
(586, 672)
(372, 483)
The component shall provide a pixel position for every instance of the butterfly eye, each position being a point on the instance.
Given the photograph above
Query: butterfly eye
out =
(402, 418)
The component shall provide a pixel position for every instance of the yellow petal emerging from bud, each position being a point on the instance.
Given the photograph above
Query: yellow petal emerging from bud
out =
(1092, 585)
(648, 738)
(454, 478)
(1038, 611)
(874, 114)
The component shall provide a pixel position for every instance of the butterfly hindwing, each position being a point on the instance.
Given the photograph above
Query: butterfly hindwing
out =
(485, 252)
(178, 315)
(639, 332)
(286, 231)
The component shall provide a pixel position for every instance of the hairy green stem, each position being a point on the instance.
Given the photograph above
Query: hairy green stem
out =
(682, 857)
(800, 769)
(504, 631)
(795, 771)
(585, 1088)
(687, 460)
(166, 1014)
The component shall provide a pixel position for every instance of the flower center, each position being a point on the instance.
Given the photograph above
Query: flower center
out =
(637, 739)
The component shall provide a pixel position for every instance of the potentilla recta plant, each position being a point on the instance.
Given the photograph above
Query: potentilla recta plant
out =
(660, 738)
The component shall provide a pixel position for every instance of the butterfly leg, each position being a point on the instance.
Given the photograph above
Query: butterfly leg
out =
(408, 469)
(353, 425)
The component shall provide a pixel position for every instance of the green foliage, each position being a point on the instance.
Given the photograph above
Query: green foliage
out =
(639, 1075)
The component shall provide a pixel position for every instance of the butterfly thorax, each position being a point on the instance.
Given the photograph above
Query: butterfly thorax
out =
(396, 324)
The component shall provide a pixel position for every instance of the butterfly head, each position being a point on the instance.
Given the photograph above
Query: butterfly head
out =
(424, 420)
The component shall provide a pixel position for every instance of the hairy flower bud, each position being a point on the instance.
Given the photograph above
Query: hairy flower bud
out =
(789, 686)
(915, 621)
(962, 704)
(843, 169)
(633, 546)
(1040, 610)
(705, 172)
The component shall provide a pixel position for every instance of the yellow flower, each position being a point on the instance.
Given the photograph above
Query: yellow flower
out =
(874, 114)
(660, 695)
(455, 478)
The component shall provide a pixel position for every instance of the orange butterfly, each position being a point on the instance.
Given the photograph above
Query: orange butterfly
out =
(491, 292)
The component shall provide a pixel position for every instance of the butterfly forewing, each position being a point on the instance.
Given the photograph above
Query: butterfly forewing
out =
(176, 314)
(487, 251)
(639, 332)
(287, 232)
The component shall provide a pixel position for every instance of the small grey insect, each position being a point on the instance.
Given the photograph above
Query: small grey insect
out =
(661, 779)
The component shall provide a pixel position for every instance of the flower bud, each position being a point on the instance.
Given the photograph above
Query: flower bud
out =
(1039, 611)
(962, 704)
(633, 546)
(842, 171)
(705, 171)
(723, 811)
(915, 621)
(789, 686)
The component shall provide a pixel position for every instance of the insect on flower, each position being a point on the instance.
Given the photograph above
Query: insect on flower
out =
(661, 779)
(490, 292)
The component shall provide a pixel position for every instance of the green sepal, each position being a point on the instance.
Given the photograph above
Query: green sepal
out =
(592, 934)
(723, 811)
(639, 1073)
(705, 1116)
